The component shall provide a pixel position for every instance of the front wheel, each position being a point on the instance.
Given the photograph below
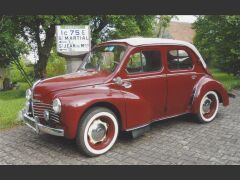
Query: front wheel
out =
(208, 107)
(97, 131)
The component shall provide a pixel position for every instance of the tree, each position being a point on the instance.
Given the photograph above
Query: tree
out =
(162, 23)
(108, 27)
(39, 31)
(218, 39)
(11, 47)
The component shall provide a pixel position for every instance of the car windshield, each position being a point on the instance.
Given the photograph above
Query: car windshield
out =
(103, 58)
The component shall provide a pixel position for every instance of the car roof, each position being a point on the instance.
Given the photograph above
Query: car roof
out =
(140, 41)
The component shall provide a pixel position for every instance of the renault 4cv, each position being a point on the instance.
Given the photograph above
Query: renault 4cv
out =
(124, 85)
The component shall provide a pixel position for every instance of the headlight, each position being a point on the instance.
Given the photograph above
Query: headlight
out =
(28, 94)
(56, 106)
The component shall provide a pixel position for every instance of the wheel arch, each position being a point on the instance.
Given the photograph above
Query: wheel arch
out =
(109, 106)
(204, 85)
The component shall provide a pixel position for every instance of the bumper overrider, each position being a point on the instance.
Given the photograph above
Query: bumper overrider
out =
(34, 124)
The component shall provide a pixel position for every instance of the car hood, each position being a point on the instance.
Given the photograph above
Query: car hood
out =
(68, 81)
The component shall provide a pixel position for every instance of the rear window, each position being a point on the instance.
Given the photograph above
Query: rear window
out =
(179, 59)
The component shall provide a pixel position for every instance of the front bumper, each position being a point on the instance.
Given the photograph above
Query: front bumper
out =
(34, 124)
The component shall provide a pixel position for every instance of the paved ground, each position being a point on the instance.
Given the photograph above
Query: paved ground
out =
(174, 141)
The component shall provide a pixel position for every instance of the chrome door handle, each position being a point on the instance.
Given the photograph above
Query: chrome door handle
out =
(194, 76)
(126, 84)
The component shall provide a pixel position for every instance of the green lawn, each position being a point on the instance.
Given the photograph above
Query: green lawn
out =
(10, 103)
(229, 81)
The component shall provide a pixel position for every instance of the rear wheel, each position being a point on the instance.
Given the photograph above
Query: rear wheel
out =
(97, 131)
(208, 107)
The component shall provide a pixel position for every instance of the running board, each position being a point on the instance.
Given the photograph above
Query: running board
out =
(140, 131)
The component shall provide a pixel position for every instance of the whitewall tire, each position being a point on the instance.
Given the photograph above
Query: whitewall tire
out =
(208, 107)
(97, 131)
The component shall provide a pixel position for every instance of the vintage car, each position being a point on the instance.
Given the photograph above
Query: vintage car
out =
(124, 85)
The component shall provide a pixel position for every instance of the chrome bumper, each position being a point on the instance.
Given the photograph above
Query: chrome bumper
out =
(38, 127)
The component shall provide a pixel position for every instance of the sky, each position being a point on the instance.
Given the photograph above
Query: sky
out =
(185, 18)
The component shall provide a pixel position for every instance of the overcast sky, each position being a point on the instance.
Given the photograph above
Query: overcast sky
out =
(185, 18)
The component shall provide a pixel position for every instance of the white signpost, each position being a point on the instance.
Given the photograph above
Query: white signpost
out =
(73, 41)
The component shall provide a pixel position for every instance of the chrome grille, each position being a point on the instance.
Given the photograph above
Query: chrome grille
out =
(39, 108)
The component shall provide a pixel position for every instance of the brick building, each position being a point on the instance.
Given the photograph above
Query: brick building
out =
(180, 31)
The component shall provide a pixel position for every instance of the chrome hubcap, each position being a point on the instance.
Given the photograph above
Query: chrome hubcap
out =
(97, 131)
(206, 105)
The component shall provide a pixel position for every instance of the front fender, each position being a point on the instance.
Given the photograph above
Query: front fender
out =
(205, 84)
(77, 101)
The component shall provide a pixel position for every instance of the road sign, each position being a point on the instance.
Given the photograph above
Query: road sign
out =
(73, 40)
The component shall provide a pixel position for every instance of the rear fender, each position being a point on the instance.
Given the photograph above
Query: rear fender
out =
(205, 84)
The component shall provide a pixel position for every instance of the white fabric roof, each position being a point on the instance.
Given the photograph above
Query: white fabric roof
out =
(139, 41)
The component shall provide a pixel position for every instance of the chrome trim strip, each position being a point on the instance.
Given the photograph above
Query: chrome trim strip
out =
(156, 120)
(146, 77)
(162, 75)
(181, 73)
(40, 127)
(39, 107)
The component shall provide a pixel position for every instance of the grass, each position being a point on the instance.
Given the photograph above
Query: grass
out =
(11, 102)
(228, 80)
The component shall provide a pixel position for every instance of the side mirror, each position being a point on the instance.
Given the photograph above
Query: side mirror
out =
(118, 80)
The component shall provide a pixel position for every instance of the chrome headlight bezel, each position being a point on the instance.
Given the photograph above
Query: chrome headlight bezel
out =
(28, 94)
(57, 106)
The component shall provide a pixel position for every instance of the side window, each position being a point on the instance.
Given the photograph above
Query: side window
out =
(179, 59)
(135, 63)
(145, 61)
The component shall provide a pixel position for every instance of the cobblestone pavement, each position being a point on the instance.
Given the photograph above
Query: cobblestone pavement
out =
(174, 141)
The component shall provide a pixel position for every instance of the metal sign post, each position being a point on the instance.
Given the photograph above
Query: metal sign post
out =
(72, 42)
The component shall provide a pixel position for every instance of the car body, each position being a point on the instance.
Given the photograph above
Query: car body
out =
(134, 81)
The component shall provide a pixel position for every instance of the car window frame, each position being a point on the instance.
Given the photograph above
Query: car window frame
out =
(143, 72)
(187, 50)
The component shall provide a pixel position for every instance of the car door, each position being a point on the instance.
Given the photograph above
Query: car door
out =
(181, 78)
(146, 98)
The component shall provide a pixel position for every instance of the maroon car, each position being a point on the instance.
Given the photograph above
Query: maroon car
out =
(124, 85)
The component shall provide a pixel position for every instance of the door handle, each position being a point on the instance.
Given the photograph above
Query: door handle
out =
(126, 84)
(194, 76)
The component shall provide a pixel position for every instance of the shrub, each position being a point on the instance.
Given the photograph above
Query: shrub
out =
(56, 65)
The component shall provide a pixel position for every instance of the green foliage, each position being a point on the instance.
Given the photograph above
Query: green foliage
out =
(11, 102)
(135, 61)
(15, 75)
(120, 26)
(30, 27)
(218, 39)
(161, 24)
(56, 65)
(229, 81)
(11, 47)
(38, 31)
